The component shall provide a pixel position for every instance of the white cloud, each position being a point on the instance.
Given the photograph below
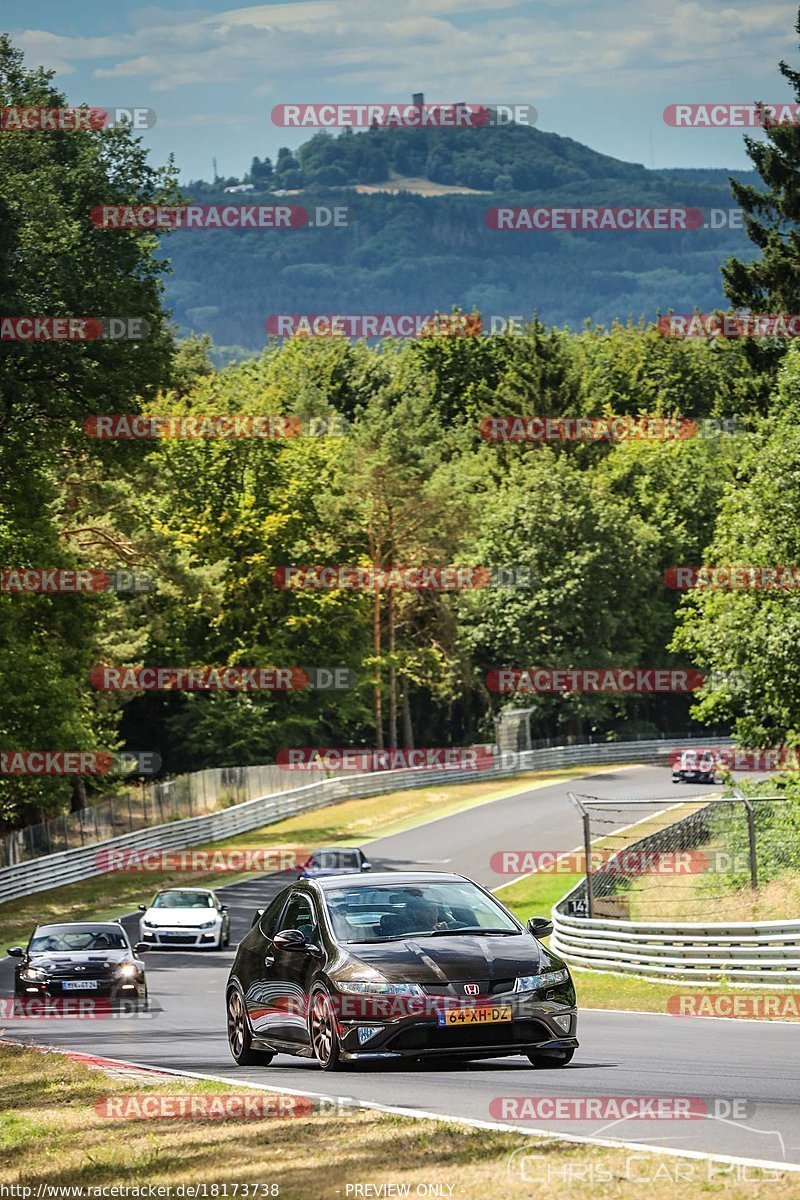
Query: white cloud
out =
(522, 50)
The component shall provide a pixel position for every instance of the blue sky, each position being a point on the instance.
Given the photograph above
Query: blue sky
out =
(599, 71)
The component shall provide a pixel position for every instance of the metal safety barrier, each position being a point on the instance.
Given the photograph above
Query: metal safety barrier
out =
(742, 952)
(71, 866)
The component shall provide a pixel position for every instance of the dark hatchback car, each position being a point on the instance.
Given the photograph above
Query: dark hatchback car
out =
(80, 959)
(389, 965)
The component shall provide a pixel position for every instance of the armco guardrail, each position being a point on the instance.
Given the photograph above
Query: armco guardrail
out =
(754, 952)
(742, 952)
(70, 866)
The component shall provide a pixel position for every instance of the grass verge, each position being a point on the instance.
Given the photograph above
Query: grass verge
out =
(56, 1136)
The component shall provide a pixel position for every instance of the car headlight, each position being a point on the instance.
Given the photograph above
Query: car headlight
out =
(33, 974)
(149, 924)
(207, 925)
(127, 970)
(356, 987)
(532, 983)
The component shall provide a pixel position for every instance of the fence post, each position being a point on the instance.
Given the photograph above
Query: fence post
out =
(751, 834)
(587, 849)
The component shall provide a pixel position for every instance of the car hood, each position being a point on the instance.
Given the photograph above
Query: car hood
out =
(78, 957)
(181, 918)
(445, 959)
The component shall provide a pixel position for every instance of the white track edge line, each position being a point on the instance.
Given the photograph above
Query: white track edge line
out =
(472, 1122)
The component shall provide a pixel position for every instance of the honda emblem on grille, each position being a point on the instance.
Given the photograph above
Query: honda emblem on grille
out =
(471, 989)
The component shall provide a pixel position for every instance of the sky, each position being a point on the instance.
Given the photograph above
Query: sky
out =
(598, 71)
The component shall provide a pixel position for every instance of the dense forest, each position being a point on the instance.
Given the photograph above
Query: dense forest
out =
(404, 477)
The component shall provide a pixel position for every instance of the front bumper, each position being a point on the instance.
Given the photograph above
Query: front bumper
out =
(178, 937)
(118, 988)
(532, 1027)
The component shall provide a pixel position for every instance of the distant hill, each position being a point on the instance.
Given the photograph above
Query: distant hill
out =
(411, 252)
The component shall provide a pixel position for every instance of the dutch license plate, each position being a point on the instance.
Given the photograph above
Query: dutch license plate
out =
(80, 985)
(485, 1015)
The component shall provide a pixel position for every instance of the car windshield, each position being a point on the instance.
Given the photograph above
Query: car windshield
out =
(394, 911)
(66, 940)
(333, 860)
(183, 900)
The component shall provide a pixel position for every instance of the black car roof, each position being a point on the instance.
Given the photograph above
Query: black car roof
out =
(393, 878)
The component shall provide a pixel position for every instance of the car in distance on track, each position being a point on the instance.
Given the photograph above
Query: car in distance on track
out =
(388, 965)
(334, 860)
(185, 917)
(694, 768)
(93, 958)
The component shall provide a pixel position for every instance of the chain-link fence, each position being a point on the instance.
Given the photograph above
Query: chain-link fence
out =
(698, 858)
(145, 805)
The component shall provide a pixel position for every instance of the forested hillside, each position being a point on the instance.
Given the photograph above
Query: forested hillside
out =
(418, 253)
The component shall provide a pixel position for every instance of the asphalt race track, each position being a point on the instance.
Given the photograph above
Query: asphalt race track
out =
(622, 1054)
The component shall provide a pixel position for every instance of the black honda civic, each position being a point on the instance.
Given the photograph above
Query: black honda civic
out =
(86, 958)
(395, 965)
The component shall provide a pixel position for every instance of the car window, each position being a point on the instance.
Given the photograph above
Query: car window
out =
(67, 941)
(299, 914)
(269, 920)
(184, 900)
(398, 910)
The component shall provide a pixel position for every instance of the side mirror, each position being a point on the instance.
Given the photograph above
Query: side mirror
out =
(540, 927)
(365, 866)
(16, 952)
(289, 939)
(142, 907)
(257, 915)
(142, 947)
(223, 908)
